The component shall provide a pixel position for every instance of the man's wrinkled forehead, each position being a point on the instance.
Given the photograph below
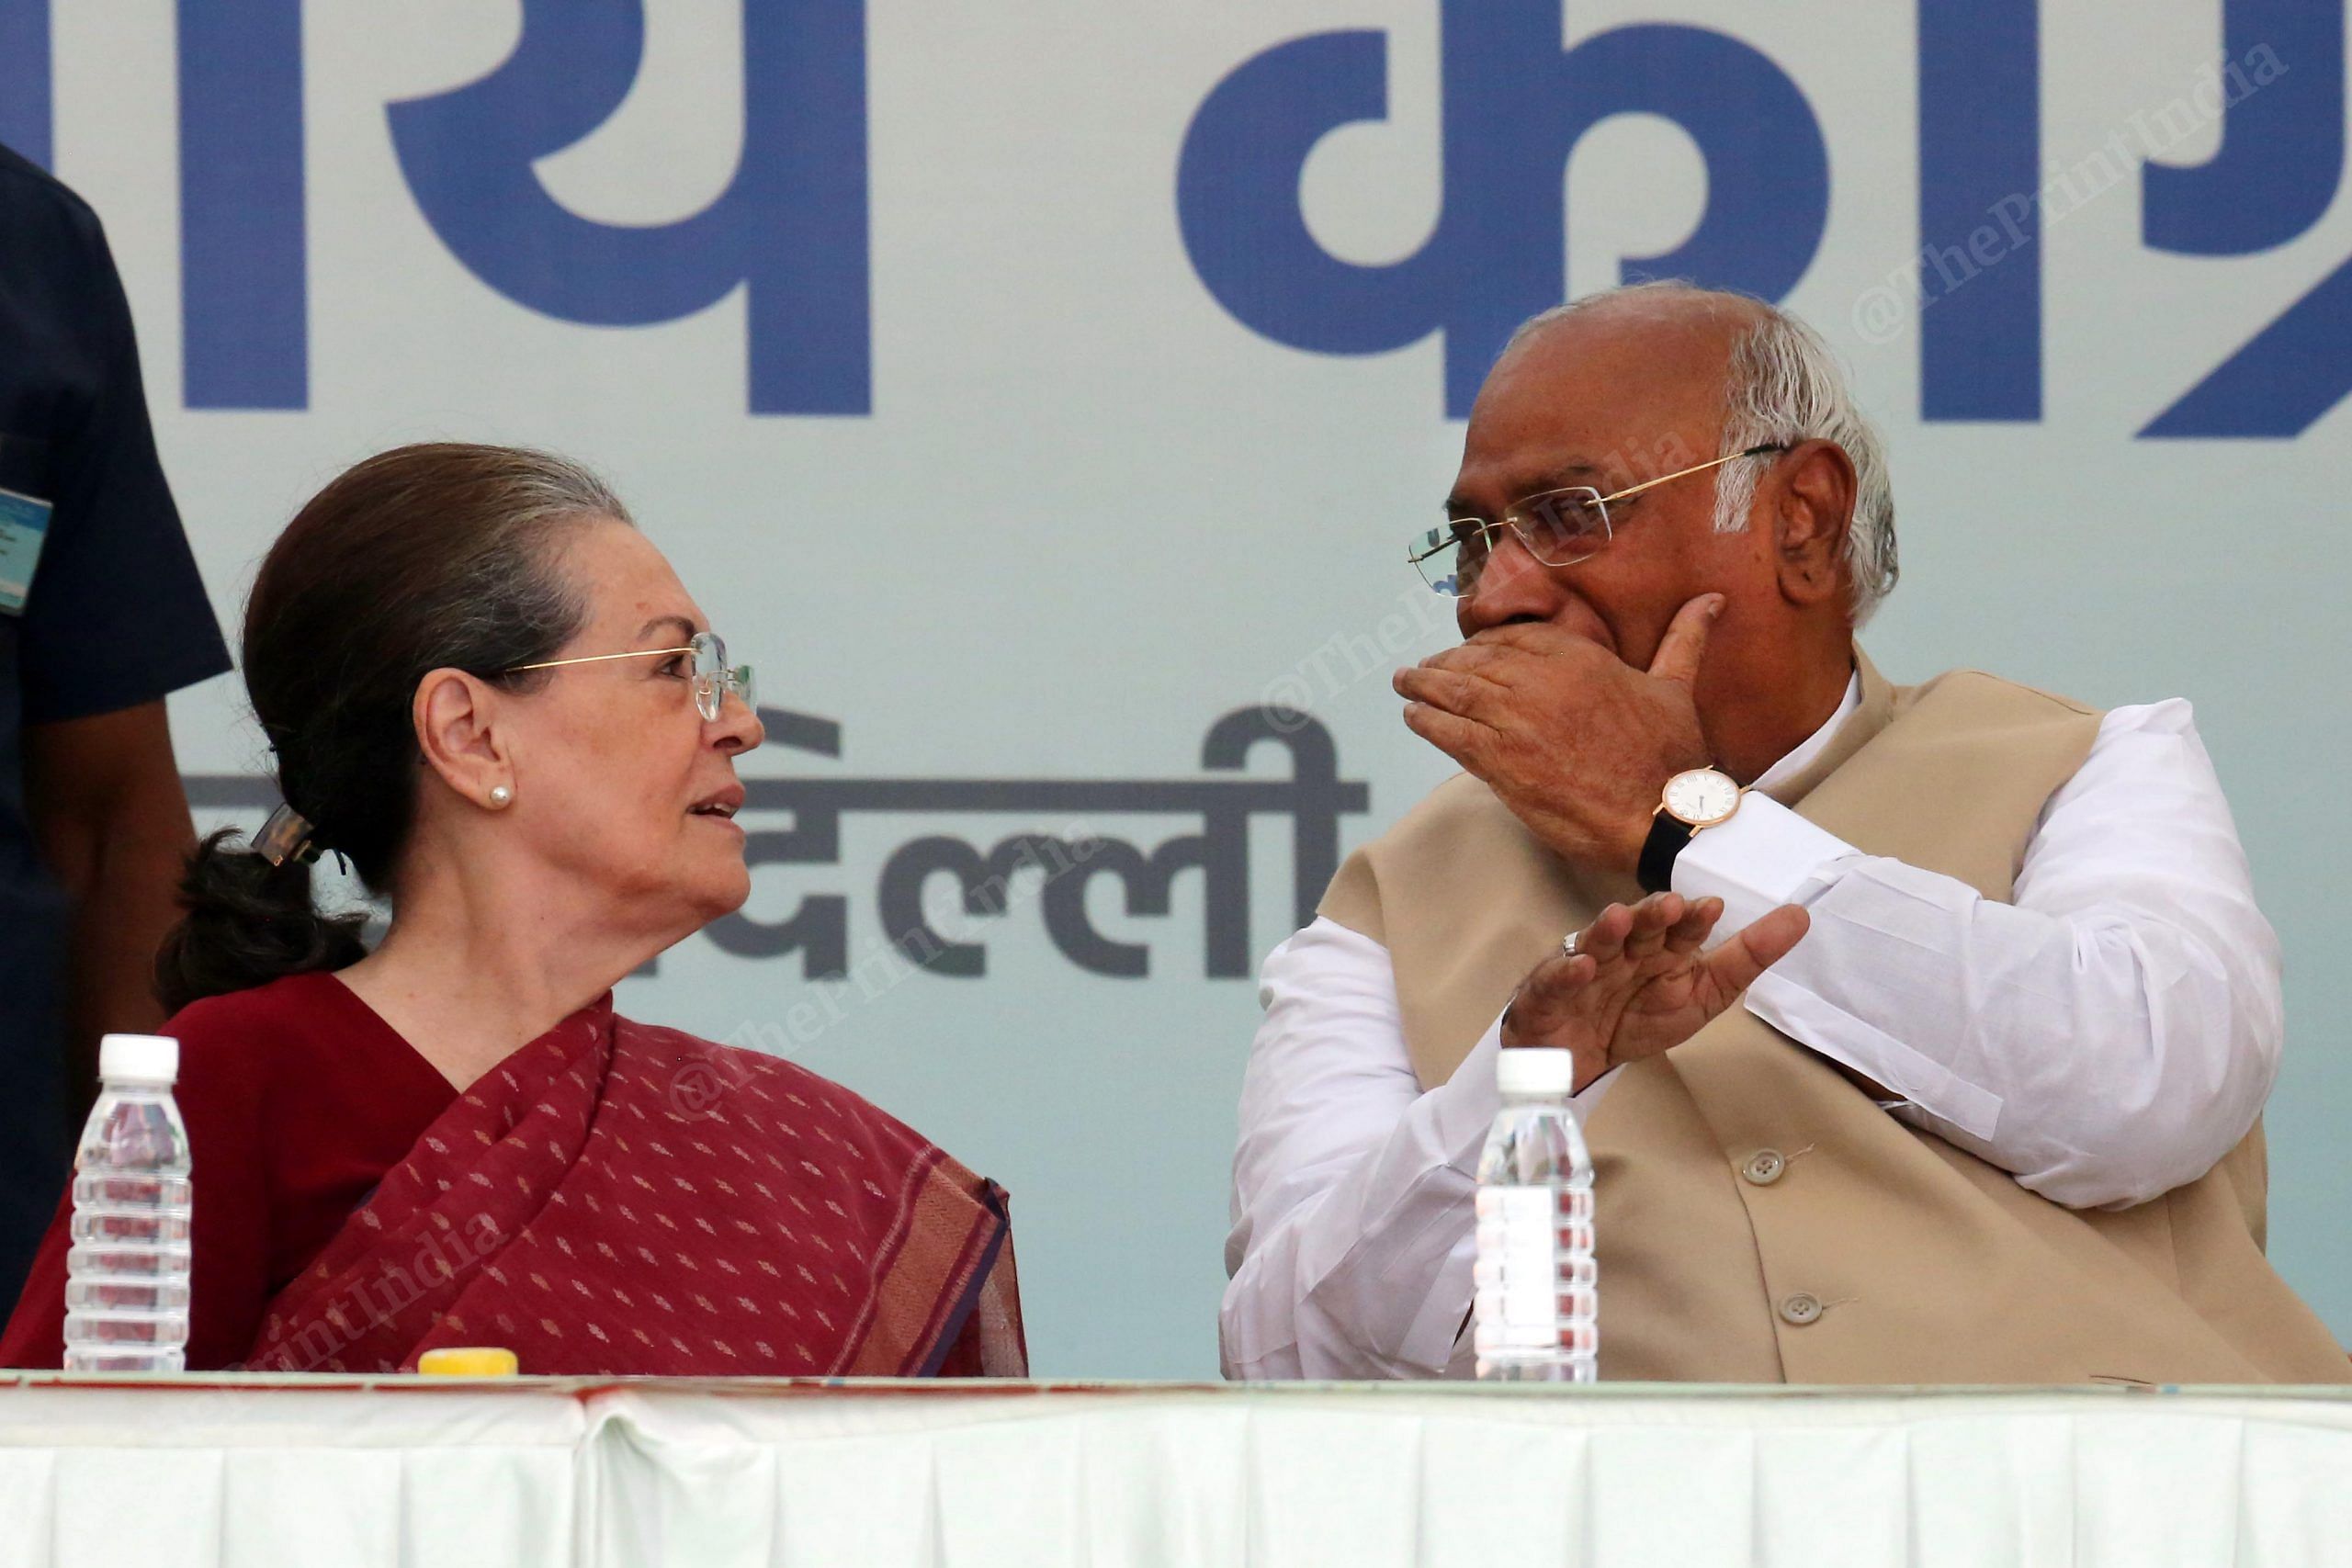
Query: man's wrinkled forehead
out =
(1605, 395)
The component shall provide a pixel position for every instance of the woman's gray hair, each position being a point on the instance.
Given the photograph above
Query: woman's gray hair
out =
(1785, 385)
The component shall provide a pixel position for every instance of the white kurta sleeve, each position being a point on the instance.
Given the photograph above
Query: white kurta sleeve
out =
(1353, 1190)
(2106, 1037)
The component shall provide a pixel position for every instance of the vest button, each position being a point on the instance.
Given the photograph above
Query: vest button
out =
(1765, 1167)
(1801, 1309)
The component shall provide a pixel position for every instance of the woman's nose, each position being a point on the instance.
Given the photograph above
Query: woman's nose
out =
(737, 726)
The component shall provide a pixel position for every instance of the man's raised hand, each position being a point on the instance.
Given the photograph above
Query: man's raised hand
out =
(1641, 982)
(1574, 741)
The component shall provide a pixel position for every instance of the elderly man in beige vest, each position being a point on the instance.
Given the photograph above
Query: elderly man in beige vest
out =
(1991, 1113)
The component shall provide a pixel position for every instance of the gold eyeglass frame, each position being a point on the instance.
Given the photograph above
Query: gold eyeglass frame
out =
(710, 691)
(1459, 530)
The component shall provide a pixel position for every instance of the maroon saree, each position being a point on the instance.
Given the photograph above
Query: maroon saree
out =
(617, 1199)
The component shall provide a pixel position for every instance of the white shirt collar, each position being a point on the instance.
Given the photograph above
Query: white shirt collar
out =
(1799, 760)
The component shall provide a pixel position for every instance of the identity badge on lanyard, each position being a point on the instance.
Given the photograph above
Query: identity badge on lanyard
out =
(24, 524)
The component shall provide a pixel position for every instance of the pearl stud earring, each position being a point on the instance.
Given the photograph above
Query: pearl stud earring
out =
(500, 795)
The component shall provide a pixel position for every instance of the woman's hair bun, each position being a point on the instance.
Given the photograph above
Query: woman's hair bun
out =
(246, 922)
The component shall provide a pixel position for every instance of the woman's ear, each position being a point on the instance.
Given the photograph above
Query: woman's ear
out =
(1813, 508)
(456, 715)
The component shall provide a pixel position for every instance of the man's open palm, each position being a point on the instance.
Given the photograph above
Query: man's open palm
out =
(1641, 982)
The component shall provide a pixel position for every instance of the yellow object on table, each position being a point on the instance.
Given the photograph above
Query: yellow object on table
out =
(469, 1361)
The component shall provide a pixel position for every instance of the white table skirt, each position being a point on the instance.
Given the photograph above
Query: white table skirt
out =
(408, 1473)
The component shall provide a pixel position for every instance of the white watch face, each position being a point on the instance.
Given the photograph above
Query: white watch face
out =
(1702, 796)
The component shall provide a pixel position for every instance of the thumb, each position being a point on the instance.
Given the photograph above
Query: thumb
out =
(1735, 966)
(1685, 643)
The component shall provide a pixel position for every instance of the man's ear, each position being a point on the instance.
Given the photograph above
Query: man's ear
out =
(456, 719)
(1812, 509)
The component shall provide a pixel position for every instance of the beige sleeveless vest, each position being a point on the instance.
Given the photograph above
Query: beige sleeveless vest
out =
(1865, 1251)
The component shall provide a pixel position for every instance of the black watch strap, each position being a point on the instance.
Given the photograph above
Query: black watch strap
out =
(1668, 835)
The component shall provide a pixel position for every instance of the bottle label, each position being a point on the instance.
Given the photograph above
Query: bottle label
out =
(1518, 1275)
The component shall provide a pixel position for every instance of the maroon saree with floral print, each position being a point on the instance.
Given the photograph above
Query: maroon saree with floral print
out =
(618, 1199)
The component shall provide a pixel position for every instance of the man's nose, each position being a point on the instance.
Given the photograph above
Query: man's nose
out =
(1514, 586)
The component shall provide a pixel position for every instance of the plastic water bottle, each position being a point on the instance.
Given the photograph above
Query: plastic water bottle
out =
(1535, 1309)
(127, 1275)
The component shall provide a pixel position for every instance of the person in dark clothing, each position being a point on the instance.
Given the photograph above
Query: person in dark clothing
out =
(101, 614)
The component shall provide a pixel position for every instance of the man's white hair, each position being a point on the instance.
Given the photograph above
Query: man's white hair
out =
(1784, 386)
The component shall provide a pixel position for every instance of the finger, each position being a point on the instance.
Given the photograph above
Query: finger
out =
(1690, 933)
(1512, 651)
(1557, 979)
(1538, 638)
(1457, 694)
(1473, 658)
(1735, 966)
(1685, 643)
(1458, 738)
(1659, 913)
(1605, 938)
(1653, 918)
(1553, 993)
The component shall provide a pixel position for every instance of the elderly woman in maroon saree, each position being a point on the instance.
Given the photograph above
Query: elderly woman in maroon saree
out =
(489, 692)
(567, 1208)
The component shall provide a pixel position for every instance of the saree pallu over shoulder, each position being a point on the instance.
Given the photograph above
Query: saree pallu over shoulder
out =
(616, 1198)
(1884, 1254)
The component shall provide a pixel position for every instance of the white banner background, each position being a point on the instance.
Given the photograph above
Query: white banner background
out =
(1091, 511)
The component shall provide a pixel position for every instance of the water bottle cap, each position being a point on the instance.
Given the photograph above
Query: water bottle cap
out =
(139, 1058)
(1535, 1069)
